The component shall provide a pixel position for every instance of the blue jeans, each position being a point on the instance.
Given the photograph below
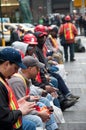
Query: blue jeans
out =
(54, 83)
(51, 124)
(27, 124)
(35, 119)
(61, 84)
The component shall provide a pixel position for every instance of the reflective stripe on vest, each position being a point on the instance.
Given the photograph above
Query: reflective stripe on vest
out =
(25, 85)
(53, 42)
(68, 31)
(13, 105)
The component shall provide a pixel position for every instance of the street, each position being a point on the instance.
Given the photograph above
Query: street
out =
(75, 116)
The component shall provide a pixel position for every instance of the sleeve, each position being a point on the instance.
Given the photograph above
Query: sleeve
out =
(6, 115)
(75, 31)
(18, 87)
(36, 83)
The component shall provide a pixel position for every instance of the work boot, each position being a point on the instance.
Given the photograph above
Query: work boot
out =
(67, 103)
(73, 96)
(72, 60)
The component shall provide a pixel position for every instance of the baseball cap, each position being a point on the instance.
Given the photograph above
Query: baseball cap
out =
(40, 34)
(30, 61)
(13, 56)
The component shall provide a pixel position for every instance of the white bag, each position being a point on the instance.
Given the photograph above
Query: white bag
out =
(57, 114)
(39, 128)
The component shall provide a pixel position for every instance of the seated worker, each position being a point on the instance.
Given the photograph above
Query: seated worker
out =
(20, 84)
(11, 110)
(30, 48)
(61, 84)
(51, 42)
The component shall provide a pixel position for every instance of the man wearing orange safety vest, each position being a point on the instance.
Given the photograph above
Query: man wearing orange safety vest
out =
(11, 110)
(69, 31)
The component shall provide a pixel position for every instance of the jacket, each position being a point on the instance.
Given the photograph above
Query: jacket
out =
(7, 117)
(19, 85)
(21, 46)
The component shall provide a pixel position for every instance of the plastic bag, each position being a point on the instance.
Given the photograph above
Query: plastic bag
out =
(58, 114)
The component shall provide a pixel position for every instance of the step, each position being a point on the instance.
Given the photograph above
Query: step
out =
(73, 126)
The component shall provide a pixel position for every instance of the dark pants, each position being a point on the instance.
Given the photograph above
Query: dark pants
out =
(71, 50)
(61, 84)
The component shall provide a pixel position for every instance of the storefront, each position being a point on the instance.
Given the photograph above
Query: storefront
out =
(9, 8)
(61, 6)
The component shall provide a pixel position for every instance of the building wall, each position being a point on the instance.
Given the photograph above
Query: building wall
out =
(61, 6)
(9, 7)
(39, 8)
(44, 7)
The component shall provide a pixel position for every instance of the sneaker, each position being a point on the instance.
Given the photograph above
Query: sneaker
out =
(67, 103)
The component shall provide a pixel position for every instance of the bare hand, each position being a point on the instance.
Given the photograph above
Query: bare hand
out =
(44, 93)
(23, 99)
(45, 116)
(50, 89)
(27, 107)
(24, 106)
(35, 98)
(54, 94)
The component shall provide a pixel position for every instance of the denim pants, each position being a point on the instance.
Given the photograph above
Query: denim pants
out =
(61, 84)
(35, 119)
(28, 125)
(71, 50)
(51, 123)
(54, 83)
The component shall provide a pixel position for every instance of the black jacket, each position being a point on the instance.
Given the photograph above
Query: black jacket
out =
(42, 59)
(7, 117)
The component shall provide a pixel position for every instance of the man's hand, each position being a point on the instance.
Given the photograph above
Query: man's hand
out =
(44, 93)
(45, 116)
(54, 94)
(24, 106)
(34, 98)
(25, 98)
(50, 89)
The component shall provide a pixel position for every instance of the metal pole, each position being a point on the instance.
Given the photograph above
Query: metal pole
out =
(71, 7)
(3, 41)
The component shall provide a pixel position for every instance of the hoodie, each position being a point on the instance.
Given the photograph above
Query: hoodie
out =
(21, 46)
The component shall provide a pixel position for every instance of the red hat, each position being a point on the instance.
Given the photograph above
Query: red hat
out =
(67, 18)
(30, 39)
(41, 28)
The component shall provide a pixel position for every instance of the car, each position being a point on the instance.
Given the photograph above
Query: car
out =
(8, 26)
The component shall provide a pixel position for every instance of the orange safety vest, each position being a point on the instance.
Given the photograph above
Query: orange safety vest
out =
(68, 31)
(13, 105)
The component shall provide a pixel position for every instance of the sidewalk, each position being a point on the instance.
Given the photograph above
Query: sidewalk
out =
(75, 116)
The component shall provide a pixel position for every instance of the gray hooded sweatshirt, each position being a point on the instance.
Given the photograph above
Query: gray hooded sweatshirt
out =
(21, 46)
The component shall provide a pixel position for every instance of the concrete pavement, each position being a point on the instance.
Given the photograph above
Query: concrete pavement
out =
(75, 116)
